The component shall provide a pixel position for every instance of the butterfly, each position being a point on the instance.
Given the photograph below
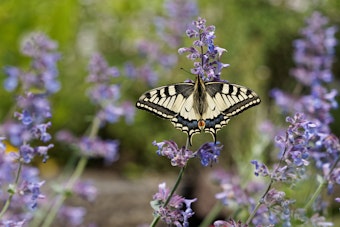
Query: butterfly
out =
(198, 106)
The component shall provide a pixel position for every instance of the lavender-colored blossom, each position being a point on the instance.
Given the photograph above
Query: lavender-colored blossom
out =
(105, 94)
(178, 209)
(31, 191)
(100, 71)
(44, 72)
(178, 156)
(95, 147)
(208, 153)
(92, 147)
(73, 216)
(229, 223)
(313, 56)
(207, 64)
(36, 104)
(233, 193)
(275, 209)
(86, 190)
(11, 223)
(260, 169)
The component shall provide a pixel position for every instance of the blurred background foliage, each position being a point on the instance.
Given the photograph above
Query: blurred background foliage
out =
(257, 34)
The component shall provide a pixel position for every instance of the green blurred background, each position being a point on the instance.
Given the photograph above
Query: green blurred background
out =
(257, 34)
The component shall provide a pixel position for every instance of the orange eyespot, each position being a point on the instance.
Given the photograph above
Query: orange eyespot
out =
(201, 124)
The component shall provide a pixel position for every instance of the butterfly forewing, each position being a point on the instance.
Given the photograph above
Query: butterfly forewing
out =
(166, 101)
(231, 99)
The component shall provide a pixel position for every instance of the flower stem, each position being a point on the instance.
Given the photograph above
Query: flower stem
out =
(211, 215)
(12, 191)
(72, 180)
(322, 184)
(260, 202)
(61, 198)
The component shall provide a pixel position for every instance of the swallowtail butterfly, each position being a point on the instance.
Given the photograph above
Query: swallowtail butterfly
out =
(199, 106)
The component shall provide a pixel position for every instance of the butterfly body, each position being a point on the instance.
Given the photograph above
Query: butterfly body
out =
(199, 106)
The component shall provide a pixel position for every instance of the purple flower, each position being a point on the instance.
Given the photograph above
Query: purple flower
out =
(104, 94)
(313, 56)
(229, 223)
(176, 212)
(107, 149)
(99, 70)
(31, 190)
(12, 80)
(44, 73)
(206, 64)
(260, 169)
(73, 216)
(208, 153)
(233, 193)
(36, 104)
(169, 149)
(12, 223)
(86, 190)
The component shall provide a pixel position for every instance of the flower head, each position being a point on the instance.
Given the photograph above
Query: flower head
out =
(206, 64)
(44, 73)
(208, 153)
(176, 212)
(105, 94)
(169, 149)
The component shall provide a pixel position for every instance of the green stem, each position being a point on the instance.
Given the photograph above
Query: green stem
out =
(61, 198)
(72, 180)
(259, 203)
(322, 184)
(12, 191)
(212, 215)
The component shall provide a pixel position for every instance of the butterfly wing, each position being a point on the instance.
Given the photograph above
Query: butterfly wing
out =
(224, 101)
(167, 101)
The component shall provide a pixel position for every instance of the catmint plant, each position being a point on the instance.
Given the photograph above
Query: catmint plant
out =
(106, 95)
(26, 137)
(27, 134)
(308, 149)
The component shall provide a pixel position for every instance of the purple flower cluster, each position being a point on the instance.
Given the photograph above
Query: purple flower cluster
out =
(205, 54)
(229, 223)
(92, 147)
(43, 74)
(208, 153)
(28, 135)
(105, 94)
(174, 211)
(313, 56)
(307, 146)
(73, 216)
